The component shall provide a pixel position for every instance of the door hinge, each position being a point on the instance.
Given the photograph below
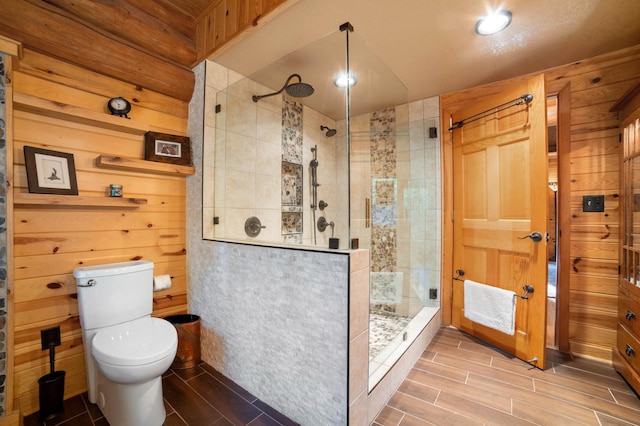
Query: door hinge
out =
(619, 137)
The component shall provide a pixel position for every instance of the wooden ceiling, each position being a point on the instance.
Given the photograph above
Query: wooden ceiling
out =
(149, 43)
(429, 45)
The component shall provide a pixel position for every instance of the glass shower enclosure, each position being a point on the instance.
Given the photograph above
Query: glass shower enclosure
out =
(347, 166)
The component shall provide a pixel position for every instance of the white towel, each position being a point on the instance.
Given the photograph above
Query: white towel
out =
(490, 306)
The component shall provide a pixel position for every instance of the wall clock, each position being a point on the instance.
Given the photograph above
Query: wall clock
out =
(119, 106)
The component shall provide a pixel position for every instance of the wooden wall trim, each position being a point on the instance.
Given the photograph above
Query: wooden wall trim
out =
(8, 63)
(10, 47)
(447, 218)
(564, 217)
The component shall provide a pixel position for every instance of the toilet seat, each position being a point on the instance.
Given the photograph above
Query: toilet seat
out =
(142, 341)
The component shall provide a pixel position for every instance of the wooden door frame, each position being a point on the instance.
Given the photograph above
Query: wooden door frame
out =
(564, 217)
(451, 103)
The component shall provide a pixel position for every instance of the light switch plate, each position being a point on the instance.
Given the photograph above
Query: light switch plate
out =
(593, 203)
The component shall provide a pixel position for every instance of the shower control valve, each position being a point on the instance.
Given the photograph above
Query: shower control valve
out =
(322, 205)
(252, 226)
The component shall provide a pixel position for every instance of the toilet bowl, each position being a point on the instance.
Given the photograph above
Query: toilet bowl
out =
(135, 351)
(131, 358)
(126, 350)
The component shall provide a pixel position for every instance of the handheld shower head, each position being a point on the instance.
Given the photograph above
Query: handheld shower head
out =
(296, 90)
(330, 132)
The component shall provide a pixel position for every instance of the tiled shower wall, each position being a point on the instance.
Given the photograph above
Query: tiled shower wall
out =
(3, 242)
(396, 171)
(245, 146)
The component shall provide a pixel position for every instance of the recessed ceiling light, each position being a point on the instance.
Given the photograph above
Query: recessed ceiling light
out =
(493, 22)
(343, 79)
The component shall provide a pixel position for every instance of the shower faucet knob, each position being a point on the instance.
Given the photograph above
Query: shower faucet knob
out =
(322, 205)
(252, 226)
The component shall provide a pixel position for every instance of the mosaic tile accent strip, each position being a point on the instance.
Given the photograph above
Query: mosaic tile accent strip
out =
(3, 240)
(292, 238)
(291, 130)
(291, 184)
(291, 223)
(385, 287)
(384, 215)
(382, 126)
(384, 247)
(292, 191)
(384, 192)
(383, 144)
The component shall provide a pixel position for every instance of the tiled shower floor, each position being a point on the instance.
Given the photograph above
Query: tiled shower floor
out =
(383, 328)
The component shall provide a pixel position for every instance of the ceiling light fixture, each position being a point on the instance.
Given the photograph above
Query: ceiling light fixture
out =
(343, 79)
(493, 22)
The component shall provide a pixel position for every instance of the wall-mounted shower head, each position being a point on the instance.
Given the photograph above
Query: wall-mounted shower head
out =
(330, 132)
(296, 90)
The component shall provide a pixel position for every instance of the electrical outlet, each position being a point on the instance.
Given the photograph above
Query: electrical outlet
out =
(50, 337)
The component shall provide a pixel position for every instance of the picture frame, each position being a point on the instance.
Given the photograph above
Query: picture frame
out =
(50, 172)
(165, 148)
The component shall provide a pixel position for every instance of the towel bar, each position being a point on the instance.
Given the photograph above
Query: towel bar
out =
(460, 273)
(527, 289)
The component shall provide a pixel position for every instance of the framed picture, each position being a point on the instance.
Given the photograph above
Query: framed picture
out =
(50, 172)
(166, 148)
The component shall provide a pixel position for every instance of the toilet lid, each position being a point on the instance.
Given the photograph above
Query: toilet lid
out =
(137, 342)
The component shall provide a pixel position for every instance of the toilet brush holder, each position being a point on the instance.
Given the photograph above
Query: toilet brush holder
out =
(51, 393)
(51, 386)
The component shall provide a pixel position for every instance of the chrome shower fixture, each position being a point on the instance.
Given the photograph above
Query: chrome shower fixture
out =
(330, 132)
(296, 90)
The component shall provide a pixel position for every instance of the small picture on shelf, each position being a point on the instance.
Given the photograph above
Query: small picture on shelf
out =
(50, 172)
(165, 148)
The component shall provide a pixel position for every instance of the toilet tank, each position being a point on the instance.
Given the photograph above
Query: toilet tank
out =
(114, 293)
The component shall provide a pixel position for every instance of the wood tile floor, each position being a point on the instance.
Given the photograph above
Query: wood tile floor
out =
(457, 381)
(460, 381)
(199, 396)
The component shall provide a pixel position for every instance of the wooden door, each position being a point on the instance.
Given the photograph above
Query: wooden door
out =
(499, 197)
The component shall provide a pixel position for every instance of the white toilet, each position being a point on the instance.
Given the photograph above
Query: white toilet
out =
(126, 350)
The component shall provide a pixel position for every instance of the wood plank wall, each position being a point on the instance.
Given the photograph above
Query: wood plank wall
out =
(593, 86)
(224, 21)
(51, 241)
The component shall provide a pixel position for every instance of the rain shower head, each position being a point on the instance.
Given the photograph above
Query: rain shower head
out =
(330, 132)
(296, 90)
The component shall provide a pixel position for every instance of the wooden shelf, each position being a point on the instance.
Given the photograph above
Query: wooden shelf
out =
(136, 165)
(44, 200)
(28, 103)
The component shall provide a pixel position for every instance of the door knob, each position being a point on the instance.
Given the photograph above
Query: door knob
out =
(535, 236)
